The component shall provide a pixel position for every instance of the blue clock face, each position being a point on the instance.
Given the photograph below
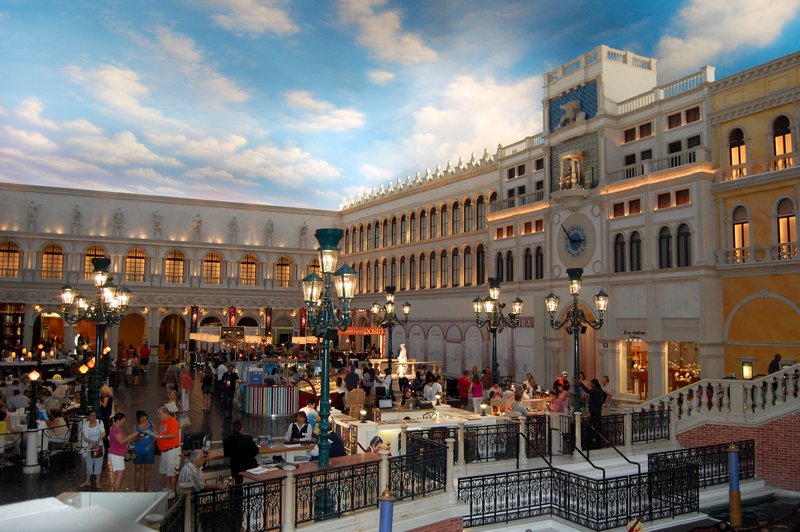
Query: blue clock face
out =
(575, 240)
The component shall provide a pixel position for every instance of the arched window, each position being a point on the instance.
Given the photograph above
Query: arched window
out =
(376, 277)
(423, 276)
(52, 262)
(445, 218)
(456, 269)
(467, 266)
(434, 223)
(538, 272)
(527, 265)
(313, 267)
(212, 269)
(433, 269)
(412, 272)
(781, 142)
(619, 253)
(385, 233)
(787, 230)
(347, 241)
(376, 235)
(394, 231)
(393, 272)
(92, 252)
(135, 265)
(412, 227)
(499, 268)
(369, 235)
(636, 251)
(738, 153)
(403, 273)
(665, 248)
(361, 238)
(361, 278)
(368, 273)
(248, 267)
(173, 267)
(385, 281)
(509, 266)
(467, 216)
(423, 225)
(456, 215)
(480, 265)
(741, 234)
(684, 246)
(403, 229)
(480, 214)
(283, 272)
(9, 259)
(443, 276)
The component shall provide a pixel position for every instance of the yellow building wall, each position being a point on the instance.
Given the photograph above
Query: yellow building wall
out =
(761, 202)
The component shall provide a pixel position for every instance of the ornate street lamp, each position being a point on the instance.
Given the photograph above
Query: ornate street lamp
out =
(325, 320)
(106, 310)
(495, 321)
(575, 320)
(388, 321)
(33, 410)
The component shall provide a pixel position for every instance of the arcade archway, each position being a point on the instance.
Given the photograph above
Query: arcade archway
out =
(171, 333)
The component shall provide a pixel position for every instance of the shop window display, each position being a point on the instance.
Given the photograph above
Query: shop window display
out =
(684, 364)
(636, 363)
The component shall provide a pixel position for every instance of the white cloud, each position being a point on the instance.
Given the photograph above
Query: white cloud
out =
(82, 127)
(704, 30)
(321, 115)
(382, 33)
(31, 111)
(374, 174)
(60, 164)
(122, 90)
(380, 77)
(28, 139)
(254, 16)
(119, 150)
(473, 114)
(2, 111)
(149, 174)
(215, 174)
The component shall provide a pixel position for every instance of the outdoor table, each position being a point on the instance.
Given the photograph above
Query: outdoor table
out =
(312, 467)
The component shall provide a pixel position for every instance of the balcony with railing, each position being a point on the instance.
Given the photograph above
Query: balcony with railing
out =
(517, 201)
(524, 144)
(777, 163)
(674, 160)
(771, 253)
(675, 88)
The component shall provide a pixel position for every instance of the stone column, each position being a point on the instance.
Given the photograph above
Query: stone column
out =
(185, 489)
(383, 472)
(288, 498)
(657, 369)
(448, 485)
(403, 441)
(152, 337)
(522, 442)
(462, 461)
(27, 327)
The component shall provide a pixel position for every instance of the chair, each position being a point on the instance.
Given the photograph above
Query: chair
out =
(355, 399)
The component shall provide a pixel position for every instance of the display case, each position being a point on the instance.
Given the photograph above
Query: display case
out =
(12, 325)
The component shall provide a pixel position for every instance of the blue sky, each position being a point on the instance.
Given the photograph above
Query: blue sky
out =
(305, 103)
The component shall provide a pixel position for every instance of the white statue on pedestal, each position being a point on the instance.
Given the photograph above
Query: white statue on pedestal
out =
(402, 359)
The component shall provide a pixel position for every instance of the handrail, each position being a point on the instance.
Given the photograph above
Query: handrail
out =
(577, 448)
(637, 464)
(528, 441)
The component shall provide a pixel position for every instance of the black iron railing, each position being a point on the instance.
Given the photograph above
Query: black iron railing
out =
(651, 425)
(423, 469)
(592, 503)
(439, 435)
(536, 432)
(566, 429)
(174, 518)
(484, 443)
(610, 427)
(329, 493)
(256, 507)
(712, 461)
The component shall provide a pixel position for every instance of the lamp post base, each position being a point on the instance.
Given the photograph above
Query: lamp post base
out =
(32, 466)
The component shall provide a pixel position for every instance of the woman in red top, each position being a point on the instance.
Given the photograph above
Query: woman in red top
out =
(477, 394)
(186, 387)
(463, 389)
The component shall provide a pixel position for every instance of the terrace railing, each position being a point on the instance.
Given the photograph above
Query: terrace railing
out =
(254, 506)
(422, 470)
(711, 461)
(485, 443)
(332, 492)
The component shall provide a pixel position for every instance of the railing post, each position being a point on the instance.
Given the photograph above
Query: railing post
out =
(578, 430)
(383, 472)
(288, 498)
(462, 460)
(403, 441)
(627, 427)
(185, 489)
(522, 451)
(449, 464)
(673, 425)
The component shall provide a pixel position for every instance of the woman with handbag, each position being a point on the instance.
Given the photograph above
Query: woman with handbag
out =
(145, 448)
(92, 434)
(118, 448)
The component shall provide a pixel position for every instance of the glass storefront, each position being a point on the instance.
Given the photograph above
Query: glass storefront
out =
(683, 364)
(636, 367)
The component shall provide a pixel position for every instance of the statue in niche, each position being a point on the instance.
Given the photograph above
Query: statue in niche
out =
(118, 218)
(157, 223)
(268, 230)
(303, 234)
(572, 113)
(197, 223)
(76, 215)
(234, 226)
(402, 360)
(33, 216)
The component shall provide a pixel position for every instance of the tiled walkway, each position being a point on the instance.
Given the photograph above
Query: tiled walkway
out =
(67, 473)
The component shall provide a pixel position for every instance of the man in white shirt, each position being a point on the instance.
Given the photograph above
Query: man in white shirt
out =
(311, 412)
(431, 389)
